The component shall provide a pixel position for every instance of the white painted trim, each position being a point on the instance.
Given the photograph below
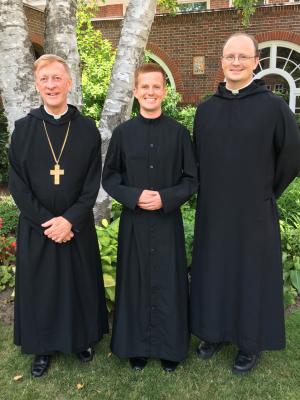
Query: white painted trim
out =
(164, 67)
(273, 44)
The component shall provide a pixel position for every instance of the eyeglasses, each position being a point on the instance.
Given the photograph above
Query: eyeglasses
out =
(241, 58)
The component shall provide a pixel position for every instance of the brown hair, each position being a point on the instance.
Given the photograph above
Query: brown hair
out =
(148, 67)
(251, 37)
(46, 59)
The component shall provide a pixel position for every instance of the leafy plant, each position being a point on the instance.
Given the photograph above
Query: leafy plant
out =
(97, 57)
(290, 239)
(9, 214)
(108, 243)
(3, 148)
(188, 215)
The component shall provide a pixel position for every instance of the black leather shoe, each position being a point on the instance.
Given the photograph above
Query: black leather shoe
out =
(169, 366)
(40, 365)
(86, 355)
(138, 363)
(244, 363)
(206, 350)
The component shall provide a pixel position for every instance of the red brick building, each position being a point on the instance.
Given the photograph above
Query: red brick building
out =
(189, 45)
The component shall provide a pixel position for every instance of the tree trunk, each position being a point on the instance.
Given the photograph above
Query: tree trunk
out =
(16, 63)
(118, 104)
(60, 39)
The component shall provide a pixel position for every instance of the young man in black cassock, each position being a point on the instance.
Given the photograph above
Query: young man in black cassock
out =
(150, 170)
(248, 149)
(55, 158)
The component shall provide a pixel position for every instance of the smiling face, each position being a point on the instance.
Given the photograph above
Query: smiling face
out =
(239, 73)
(150, 91)
(53, 83)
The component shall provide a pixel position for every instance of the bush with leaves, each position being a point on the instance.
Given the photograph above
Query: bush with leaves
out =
(7, 259)
(108, 243)
(97, 57)
(9, 214)
(3, 148)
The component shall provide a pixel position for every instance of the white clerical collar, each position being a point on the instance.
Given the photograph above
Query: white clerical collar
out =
(55, 116)
(236, 91)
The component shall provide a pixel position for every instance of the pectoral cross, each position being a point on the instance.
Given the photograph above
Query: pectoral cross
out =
(56, 172)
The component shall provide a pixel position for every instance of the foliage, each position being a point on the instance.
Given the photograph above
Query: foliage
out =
(7, 259)
(97, 57)
(289, 202)
(247, 7)
(290, 237)
(3, 148)
(289, 211)
(108, 243)
(188, 216)
(9, 214)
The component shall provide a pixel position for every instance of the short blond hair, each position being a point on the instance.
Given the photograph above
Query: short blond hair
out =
(148, 67)
(46, 59)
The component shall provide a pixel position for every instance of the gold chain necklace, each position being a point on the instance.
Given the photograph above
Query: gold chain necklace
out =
(57, 172)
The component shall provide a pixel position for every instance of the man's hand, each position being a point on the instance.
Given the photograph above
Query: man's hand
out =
(59, 229)
(150, 200)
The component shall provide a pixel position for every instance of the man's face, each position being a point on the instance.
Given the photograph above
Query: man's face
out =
(53, 83)
(150, 92)
(239, 71)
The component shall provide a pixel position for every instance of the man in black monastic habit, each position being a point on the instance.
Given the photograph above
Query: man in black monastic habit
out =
(55, 158)
(150, 169)
(248, 149)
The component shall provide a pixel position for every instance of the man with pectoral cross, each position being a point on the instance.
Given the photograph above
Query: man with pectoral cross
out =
(55, 169)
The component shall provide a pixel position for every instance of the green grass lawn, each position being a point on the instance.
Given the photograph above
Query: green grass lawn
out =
(106, 377)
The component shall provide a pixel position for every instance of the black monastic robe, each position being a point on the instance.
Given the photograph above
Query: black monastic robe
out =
(60, 303)
(248, 149)
(151, 311)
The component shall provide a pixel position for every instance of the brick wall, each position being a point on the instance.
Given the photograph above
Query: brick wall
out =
(36, 25)
(176, 40)
(113, 10)
(217, 4)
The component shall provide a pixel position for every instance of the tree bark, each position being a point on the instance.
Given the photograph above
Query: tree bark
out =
(118, 104)
(16, 63)
(60, 39)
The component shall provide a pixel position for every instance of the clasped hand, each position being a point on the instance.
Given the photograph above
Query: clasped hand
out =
(58, 229)
(150, 200)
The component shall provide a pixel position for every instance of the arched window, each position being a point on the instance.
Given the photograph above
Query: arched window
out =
(170, 79)
(279, 65)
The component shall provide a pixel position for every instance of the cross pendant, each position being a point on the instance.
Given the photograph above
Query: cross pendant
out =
(56, 172)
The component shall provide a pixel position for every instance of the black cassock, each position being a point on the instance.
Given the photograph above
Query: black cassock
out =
(248, 149)
(60, 303)
(151, 312)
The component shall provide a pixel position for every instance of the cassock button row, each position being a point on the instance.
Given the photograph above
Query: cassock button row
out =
(151, 166)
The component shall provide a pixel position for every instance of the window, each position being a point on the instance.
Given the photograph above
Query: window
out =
(192, 6)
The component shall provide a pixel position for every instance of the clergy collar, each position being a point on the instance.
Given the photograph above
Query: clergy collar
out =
(56, 116)
(237, 91)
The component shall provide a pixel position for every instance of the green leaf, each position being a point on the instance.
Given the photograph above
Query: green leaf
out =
(295, 279)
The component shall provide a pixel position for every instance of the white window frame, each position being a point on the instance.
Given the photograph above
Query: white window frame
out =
(273, 44)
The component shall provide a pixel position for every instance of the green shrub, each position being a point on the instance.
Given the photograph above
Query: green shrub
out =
(3, 148)
(108, 243)
(290, 239)
(289, 202)
(9, 214)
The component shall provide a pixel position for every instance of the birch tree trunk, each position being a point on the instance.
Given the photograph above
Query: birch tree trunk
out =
(60, 39)
(118, 104)
(17, 87)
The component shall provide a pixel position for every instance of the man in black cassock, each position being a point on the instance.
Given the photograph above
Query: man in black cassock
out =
(55, 158)
(248, 149)
(150, 170)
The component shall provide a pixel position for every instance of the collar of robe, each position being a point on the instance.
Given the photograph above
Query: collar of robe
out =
(255, 87)
(41, 114)
(56, 116)
(150, 120)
